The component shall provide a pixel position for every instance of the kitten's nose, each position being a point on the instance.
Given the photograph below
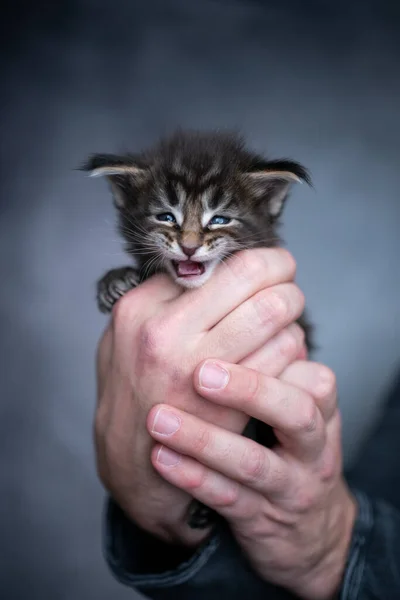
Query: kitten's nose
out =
(189, 250)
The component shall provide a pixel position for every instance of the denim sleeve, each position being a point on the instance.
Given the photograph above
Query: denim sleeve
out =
(218, 569)
(373, 565)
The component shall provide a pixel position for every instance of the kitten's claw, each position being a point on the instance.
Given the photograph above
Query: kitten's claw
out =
(115, 284)
(200, 516)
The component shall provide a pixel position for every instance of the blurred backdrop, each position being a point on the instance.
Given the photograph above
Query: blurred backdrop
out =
(316, 81)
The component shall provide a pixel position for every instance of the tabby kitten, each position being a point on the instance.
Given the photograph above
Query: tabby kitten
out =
(188, 204)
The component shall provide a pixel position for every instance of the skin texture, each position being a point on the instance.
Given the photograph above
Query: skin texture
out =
(289, 507)
(279, 501)
(155, 339)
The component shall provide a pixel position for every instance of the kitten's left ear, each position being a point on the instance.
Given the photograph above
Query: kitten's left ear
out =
(123, 174)
(270, 182)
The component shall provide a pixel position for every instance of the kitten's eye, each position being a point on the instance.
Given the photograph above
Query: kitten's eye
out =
(166, 218)
(220, 220)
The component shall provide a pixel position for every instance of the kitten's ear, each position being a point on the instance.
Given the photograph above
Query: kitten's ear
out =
(123, 174)
(270, 182)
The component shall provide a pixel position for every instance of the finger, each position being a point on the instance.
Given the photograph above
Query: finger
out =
(161, 287)
(144, 300)
(230, 454)
(158, 288)
(291, 411)
(277, 353)
(317, 380)
(254, 322)
(227, 497)
(303, 354)
(234, 281)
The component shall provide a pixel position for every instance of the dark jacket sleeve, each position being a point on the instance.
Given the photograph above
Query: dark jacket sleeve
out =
(218, 569)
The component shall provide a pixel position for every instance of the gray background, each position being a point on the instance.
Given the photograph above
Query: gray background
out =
(317, 81)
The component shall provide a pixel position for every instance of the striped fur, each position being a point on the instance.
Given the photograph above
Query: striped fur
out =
(196, 176)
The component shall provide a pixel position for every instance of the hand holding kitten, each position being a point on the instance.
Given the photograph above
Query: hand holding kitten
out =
(156, 338)
(288, 507)
(188, 204)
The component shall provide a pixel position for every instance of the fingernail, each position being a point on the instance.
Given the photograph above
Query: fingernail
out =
(165, 422)
(213, 377)
(168, 457)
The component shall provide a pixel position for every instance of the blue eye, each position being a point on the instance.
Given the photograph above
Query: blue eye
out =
(166, 217)
(220, 220)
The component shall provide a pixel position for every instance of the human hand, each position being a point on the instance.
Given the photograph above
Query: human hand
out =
(156, 337)
(288, 507)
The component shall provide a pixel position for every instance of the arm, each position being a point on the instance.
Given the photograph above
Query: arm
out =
(218, 569)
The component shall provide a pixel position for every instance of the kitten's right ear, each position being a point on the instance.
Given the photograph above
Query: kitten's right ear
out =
(124, 176)
(270, 182)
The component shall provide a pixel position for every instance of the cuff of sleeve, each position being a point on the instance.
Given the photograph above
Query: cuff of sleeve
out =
(142, 561)
(356, 562)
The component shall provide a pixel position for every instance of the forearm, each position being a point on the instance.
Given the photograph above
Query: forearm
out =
(323, 580)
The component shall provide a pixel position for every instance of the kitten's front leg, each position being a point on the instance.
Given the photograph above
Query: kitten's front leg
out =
(113, 285)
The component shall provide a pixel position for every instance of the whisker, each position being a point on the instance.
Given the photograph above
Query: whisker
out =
(135, 224)
(151, 264)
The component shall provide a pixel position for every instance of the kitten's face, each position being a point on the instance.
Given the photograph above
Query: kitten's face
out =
(194, 200)
(187, 224)
(188, 232)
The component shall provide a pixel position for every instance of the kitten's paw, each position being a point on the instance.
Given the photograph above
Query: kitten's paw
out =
(115, 284)
(200, 516)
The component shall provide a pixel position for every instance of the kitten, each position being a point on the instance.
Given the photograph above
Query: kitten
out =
(186, 205)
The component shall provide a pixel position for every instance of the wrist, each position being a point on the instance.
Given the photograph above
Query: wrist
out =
(171, 529)
(181, 534)
(324, 580)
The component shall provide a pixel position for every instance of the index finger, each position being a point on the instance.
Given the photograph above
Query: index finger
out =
(291, 411)
(234, 281)
(316, 379)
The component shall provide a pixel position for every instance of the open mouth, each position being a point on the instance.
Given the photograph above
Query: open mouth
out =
(188, 268)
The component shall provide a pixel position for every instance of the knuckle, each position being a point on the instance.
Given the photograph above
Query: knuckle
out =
(298, 299)
(299, 334)
(326, 382)
(227, 497)
(196, 480)
(307, 417)
(330, 466)
(290, 342)
(305, 500)
(202, 441)
(271, 307)
(152, 339)
(253, 464)
(253, 385)
(247, 264)
(123, 310)
(156, 350)
(291, 263)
